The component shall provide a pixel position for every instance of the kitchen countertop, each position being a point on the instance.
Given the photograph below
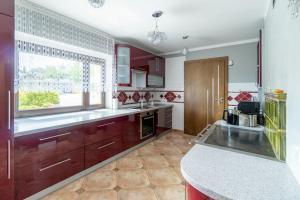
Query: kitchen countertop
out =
(223, 174)
(31, 125)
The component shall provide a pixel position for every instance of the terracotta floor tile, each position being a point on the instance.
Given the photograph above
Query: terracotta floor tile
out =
(169, 150)
(103, 195)
(109, 166)
(137, 194)
(160, 163)
(99, 180)
(132, 154)
(62, 196)
(174, 192)
(132, 178)
(174, 160)
(178, 172)
(148, 150)
(129, 163)
(163, 176)
(161, 141)
(184, 148)
(154, 162)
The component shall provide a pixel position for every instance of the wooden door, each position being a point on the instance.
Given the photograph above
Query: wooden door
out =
(205, 88)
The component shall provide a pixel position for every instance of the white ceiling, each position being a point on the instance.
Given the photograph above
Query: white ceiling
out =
(208, 22)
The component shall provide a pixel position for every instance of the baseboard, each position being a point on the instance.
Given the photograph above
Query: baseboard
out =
(73, 178)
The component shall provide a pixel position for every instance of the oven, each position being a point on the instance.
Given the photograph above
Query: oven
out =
(147, 124)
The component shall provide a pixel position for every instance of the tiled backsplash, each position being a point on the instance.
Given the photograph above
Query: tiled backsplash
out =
(135, 96)
(237, 92)
(241, 92)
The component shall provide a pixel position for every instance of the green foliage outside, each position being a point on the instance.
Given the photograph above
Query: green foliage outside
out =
(37, 100)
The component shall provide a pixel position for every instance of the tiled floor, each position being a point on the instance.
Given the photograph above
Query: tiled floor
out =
(151, 172)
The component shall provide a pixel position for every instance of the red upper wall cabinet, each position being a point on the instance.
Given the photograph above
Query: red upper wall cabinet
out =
(6, 104)
(7, 7)
(156, 76)
(129, 57)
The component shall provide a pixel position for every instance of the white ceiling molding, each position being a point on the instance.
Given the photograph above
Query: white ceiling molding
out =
(213, 46)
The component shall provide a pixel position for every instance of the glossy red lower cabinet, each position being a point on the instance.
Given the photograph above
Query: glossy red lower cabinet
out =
(6, 167)
(194, 194)
(40, 146)
(98, 152)
(104, 130)
(37, 176)
(131, 131)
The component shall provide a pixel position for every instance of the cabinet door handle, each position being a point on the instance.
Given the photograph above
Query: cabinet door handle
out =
(56, 136)
(103, 125)
(8, 159)
(149, 117)
(109, 144)
(56, 164)
(8, 111)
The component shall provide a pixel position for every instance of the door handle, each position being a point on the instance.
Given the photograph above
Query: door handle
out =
(106, 145)
(8, 111)
(207, 108)
(8, 160)
(103, 125)
(56, 136)
(56, 164)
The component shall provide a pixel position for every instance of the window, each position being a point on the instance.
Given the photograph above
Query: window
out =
(49, 84)
(95, 85)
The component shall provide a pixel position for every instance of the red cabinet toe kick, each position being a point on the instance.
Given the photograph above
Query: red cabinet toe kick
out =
(194, 194)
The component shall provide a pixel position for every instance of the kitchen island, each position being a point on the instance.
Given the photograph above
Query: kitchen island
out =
(224, 174)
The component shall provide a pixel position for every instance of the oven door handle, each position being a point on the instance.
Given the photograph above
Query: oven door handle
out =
(151, 117)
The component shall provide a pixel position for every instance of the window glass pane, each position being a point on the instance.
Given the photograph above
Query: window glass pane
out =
(49, 82)
(95, 85)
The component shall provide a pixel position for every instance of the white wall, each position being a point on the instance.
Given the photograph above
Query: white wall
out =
(282, 70)
(175, 81)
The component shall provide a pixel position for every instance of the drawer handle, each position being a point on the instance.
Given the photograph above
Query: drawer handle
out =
(56, 136)
(8, 159)
(56, 164)
(103, 125)
(106, 145)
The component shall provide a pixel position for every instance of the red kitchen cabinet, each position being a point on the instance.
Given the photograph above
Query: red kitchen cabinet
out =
(131, 131)
(41, 146)
(100, 151)
(6, 103)
(37, 176)
(157, 66)
(7, 7)
(163, 120)
(104, 130)
(156, 75)
(194, 194)
(139, 57)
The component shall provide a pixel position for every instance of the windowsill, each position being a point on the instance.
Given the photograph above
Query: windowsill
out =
(31, 125)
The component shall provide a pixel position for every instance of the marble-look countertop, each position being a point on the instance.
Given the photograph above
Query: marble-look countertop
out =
(31, 125)
(222, 174)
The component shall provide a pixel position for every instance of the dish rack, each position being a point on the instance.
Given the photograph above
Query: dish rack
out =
(275, 123)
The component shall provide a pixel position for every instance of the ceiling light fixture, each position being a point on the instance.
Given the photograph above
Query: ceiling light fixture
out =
(97, 3)
(185, 50)
(294, 6)
(156, 37)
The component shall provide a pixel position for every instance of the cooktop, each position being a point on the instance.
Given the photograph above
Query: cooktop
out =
(243, 140)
